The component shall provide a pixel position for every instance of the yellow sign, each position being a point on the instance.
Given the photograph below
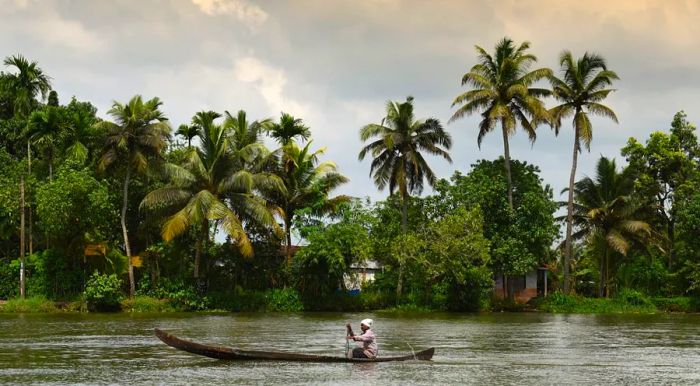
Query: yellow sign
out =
(136, 261)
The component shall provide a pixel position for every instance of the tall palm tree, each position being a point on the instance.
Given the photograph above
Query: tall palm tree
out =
(29, 82)
(287, 128)
(80, 134)
(397, 146)
(580, 92)
(307, 184)
(212, 186)
(502, 93)
(139, 133)
(606, 214)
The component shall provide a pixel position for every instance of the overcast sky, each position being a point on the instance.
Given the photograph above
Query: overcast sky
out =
(336, 63)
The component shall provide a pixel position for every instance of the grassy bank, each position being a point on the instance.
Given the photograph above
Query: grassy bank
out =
(286, 300)
(627, 302)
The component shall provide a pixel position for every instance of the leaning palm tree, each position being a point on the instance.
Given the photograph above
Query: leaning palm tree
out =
(307, 184)
(397, 148)
(287, 129)
(502, 94)
(606, 215)
(137, 136)
(29, 82)
(211, 186)
(583, 87)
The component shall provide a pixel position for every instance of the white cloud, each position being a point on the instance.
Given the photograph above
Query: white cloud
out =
(270, 83)
(250, 14)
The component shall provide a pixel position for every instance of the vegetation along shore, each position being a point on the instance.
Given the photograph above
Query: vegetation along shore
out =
(125, 211)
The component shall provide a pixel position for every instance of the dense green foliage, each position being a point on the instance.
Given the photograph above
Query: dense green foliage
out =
(119, 214)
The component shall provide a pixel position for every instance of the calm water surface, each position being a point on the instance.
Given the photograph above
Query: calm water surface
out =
(470, 349)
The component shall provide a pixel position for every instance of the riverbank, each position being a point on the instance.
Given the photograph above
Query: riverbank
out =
(628, 302)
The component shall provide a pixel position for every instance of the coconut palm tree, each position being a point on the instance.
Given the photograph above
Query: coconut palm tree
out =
(287, 128)
(502, 93)
(606, 214)
(397, 148)
(137, 136)
(210, 186)
(308, 184)
(29, 82)
(584, 85)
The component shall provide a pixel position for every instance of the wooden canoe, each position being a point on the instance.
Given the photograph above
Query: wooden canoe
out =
(221, 352)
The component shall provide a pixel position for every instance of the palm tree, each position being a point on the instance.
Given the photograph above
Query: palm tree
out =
(200, 189)
(307, 184)
(287, 129)
(138, 134)
(397, 158)
(27, 83)
(580, 93)
(189, 132)
(502, 93)
(606, 214)
(80, 132)
(45, 128)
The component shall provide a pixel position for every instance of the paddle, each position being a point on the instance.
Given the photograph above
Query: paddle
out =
(347, 341)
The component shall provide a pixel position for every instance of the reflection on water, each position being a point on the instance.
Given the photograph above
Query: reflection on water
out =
(470, 349)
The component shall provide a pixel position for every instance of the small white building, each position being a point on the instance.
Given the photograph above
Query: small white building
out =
(361, 273)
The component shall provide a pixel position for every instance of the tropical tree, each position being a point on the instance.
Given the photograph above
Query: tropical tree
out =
(397, 148)
(307, 185)
(607, 216)
(211, 186)
(189, 132)
(137, 136)
(29, 82)
(287, 128)
(80, 135)
(583, 87)
(44, 129)
(502, 93)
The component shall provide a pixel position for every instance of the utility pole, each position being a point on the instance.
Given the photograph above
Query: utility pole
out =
(21, 237)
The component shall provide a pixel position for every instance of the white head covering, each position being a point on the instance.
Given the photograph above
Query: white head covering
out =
(367, 322)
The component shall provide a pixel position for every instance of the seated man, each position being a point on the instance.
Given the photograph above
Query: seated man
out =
(367, 342)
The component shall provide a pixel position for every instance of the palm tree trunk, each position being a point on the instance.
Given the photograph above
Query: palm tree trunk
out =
(404, 230)
(29, 207)
(506, 154)
(601, 275)
(201, 244)
(132, 285)
(570, 215)
(288, 236)
(21, 238)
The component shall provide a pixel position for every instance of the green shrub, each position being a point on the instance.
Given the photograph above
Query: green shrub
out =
(181, 295)
(677, 304)
(285, 300)
(628, 301)
(103, 292)
(633, 297)
(9, 279)
(34, 304)
(147, 304)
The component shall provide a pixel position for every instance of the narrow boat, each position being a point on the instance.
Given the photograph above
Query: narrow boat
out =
(221, 352)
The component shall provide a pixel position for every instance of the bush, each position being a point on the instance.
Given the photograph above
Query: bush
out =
(9, 279)
(285, 300)
(181, 295)
(147, 304)
(34, 304)
(103, 292)
(628, 301)
(677, 304)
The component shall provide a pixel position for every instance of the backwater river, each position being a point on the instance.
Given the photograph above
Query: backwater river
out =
(471, 349)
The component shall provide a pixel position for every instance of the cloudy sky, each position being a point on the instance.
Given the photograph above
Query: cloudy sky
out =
(336, 63)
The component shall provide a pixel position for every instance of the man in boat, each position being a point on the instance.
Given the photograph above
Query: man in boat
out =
(367, 342)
